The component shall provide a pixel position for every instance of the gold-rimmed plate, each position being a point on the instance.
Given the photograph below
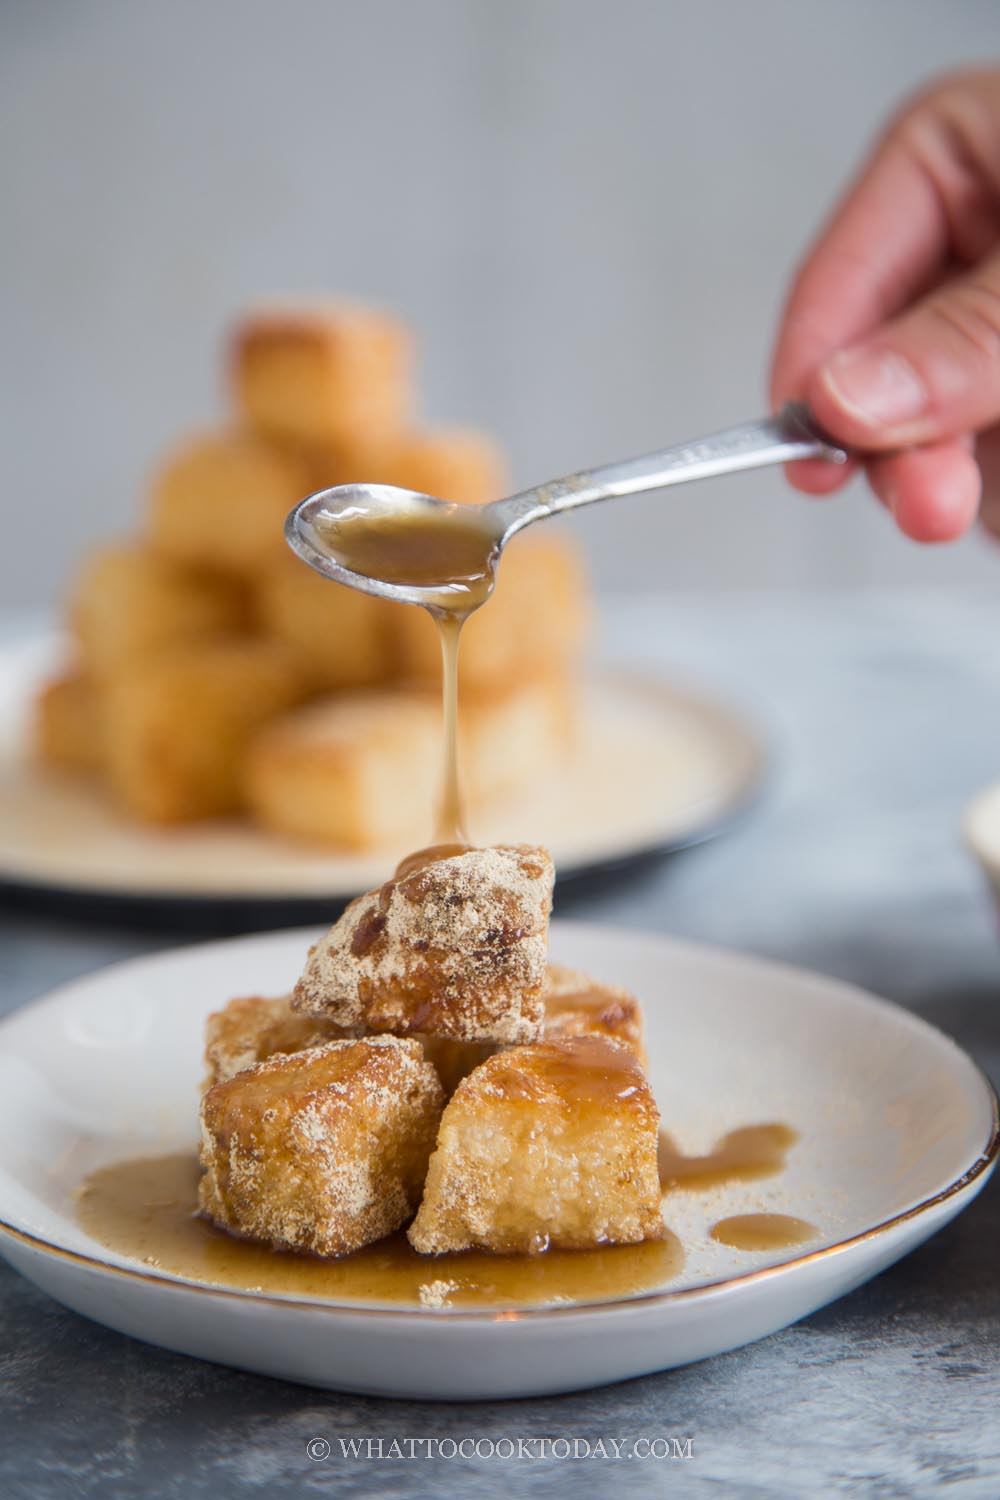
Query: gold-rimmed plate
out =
(896, 1132)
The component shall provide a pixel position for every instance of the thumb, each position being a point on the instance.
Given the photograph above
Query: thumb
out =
(988, 459)
(932, 373)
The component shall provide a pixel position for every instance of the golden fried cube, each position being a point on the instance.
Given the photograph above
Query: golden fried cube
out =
(576, 1005)
(324, 373)
(512, 735)
(322, 1150)
(453, 463)
(250, 1030)
(547, 1145)
(365, 459)
(68, 727)
(341, 635)
(454, 948)
(179, 725)
(535, 621)
(454, 1060)
(359, 771)
(220, 500)
(130, 602)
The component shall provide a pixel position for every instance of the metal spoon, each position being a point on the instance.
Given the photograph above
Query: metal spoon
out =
(792, 434)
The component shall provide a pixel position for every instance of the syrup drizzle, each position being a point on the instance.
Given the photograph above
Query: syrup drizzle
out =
(145, 1209)
(449, 553)
(451, 822)
(744, 1155)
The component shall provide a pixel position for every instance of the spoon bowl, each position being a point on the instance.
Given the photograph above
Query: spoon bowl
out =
(399, 544)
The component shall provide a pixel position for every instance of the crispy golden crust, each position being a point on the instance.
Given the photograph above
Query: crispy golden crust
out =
(552, 1144)
(178, 725)
(220, 500)
(249, 1031)
(130, 602)
(535, 622)
(362, 769)
(454, 1060)
(451, 463)
(576, 1005)
(68, 726)
(359, 770)
(322, 1150)
(510, 736)
(455, 949)
(340, 635)
(324, 373)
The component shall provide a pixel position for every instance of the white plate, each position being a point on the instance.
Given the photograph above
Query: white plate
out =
(656, 768)
(898, 1133)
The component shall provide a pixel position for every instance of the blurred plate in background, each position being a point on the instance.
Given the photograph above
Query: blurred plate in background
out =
(656, 768)
(982, 834)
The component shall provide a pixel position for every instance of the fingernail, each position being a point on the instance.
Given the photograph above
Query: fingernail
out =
(875, 386)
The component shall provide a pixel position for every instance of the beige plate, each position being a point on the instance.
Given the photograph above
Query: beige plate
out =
(656, 768)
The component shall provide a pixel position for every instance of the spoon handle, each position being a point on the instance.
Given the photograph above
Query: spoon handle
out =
(792, 434)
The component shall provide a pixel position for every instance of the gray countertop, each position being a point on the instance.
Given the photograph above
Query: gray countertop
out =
(884, 718)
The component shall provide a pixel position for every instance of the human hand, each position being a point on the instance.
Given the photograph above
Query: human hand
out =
(891, 331)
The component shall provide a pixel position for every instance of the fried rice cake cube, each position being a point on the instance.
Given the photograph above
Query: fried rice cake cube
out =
(455, 947)
(511, 735)
(451, 463)
(325, 373)
(220, 500)
(249, 1030)
(323, 1150)
(460, 464)
(178, 725)
(129, 602)
(360, 769)
(67, 726)
(454, 1060)
(548, 1145)
(535, 621)
(577, 1005)
(355, 771)
(342, 636)
(253, 1028)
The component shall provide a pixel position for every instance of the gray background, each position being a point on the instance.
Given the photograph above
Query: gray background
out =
(589, 209)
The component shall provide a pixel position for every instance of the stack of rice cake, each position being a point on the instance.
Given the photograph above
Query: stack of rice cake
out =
(213, 673)
(431, 1068)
